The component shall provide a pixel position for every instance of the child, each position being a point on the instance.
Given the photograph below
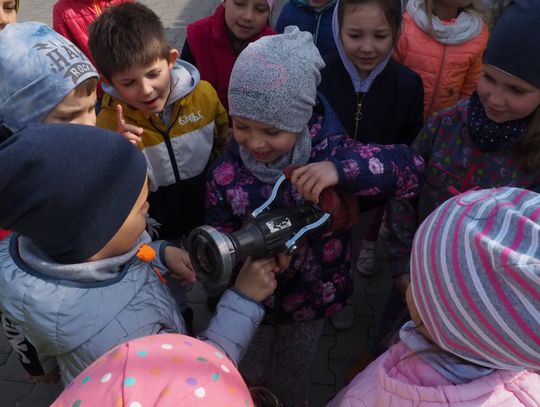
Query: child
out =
(213, 43)
(184, 372)
(279, 120)
(474, 301)
(489, 140)
(443, 41)
(71, 18)
(377, 99)
(182, 123)
(80, 275)
(314, 16)
(8, 13)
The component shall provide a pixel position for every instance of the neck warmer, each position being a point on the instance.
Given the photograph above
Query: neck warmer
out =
(488, 135)
(461, 29)
(451, 368)
(269, 173)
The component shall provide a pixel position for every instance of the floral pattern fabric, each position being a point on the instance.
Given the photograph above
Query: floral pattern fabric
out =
(454, 164)
(317, 282)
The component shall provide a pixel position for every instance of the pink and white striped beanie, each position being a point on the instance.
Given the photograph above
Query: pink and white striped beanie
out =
(165, 370)
(475, 276)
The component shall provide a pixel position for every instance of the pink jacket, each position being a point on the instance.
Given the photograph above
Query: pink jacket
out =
(71, 18)
(449, 72)
(397, 380)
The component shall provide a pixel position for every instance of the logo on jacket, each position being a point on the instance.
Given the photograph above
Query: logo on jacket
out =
(190, 118)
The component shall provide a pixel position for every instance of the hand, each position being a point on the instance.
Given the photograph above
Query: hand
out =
(311, 179)
(402, 282)
(129, 131)
(257, 278)
(48, 378)
(177, 260)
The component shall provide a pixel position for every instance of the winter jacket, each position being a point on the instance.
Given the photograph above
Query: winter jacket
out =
(177, 152)
(397, 378)
(449, 72)
(72, 321)
(71, 18)
(318, 281)
(391, 109)
(209, 48)
(306, 18)
(453, 165)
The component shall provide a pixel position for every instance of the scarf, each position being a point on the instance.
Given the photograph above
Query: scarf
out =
(488, 135)
(270, 172)
(451, 368)
(461, 29)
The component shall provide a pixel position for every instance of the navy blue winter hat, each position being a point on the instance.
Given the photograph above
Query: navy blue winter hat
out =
(514, 43)
(67, 187)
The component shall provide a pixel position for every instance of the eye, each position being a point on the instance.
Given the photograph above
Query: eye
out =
(153, 74)
(272, 132)
(517, 90)
(488, 78)
(127, 84)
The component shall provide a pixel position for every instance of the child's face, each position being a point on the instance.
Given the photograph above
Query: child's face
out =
(146, 88)
(263, 141)
(505, 97)
(74, 109)
(246, 18)
(366, 35)
(8, 12)
(132, 228)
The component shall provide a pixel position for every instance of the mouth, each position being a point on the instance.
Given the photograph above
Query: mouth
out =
(244, 27)
(151, 101)
(261, 155)
(366, 61)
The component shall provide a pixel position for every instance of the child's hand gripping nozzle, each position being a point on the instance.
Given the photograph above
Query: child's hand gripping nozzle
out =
(268, 232)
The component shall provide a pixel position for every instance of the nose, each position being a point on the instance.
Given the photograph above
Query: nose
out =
(495, 98)
(248, 14)
(146, 87)
(4, 20)
(88, 119)
(253, 142)
(366, 46)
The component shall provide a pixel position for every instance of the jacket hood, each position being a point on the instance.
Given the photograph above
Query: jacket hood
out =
(305, 3)
(360, 84)
(56, 300)
(184, 78)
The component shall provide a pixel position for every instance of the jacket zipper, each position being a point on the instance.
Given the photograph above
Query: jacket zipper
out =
(358, 115)
(437, 83)
(168, 144)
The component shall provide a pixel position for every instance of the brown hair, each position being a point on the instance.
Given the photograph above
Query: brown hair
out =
(391, 9)
(527, 151)
(124, 36)
(85, 88)
(475, 7)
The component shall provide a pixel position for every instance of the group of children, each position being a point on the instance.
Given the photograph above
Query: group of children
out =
(203, 138)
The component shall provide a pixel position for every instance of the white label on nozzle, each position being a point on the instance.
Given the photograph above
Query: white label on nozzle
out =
(274, 226)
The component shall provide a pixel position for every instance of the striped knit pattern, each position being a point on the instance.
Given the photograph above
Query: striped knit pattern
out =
(475, 275)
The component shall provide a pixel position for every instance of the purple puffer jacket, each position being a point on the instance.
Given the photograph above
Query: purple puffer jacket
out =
(397, 378)
(318, 282)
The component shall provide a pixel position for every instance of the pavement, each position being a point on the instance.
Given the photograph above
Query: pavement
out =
(338, 351)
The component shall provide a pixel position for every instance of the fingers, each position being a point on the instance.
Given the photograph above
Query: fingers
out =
(282, 261)
(120, 121)
(129, 131)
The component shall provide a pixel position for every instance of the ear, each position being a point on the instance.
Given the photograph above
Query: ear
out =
(173, 56)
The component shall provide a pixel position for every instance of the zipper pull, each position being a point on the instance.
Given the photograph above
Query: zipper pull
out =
(146, 253)
(358, 115)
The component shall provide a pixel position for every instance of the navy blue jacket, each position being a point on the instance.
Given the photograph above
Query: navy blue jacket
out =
(306, 18)
(392, 109)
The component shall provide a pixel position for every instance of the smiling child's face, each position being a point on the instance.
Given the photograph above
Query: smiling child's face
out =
(264, 142)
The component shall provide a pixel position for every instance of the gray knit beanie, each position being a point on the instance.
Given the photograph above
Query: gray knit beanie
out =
(514, 42)
(275, 79)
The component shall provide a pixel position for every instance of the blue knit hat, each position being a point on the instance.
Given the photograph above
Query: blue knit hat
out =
(514, 42)
(38, 67)
(69, 188)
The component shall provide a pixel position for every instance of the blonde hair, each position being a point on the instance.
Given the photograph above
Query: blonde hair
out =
(476, 7)
(527, 151)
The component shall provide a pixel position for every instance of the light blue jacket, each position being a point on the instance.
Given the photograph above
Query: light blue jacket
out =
(75, 313)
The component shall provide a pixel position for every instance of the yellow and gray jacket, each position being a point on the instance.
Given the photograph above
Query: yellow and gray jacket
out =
(178, 144)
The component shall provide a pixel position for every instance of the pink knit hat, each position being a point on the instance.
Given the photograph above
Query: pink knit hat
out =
(475, 277)
(160, 370)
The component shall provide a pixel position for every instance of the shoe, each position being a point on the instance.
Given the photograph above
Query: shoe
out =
(344, 319)
(366, 262)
